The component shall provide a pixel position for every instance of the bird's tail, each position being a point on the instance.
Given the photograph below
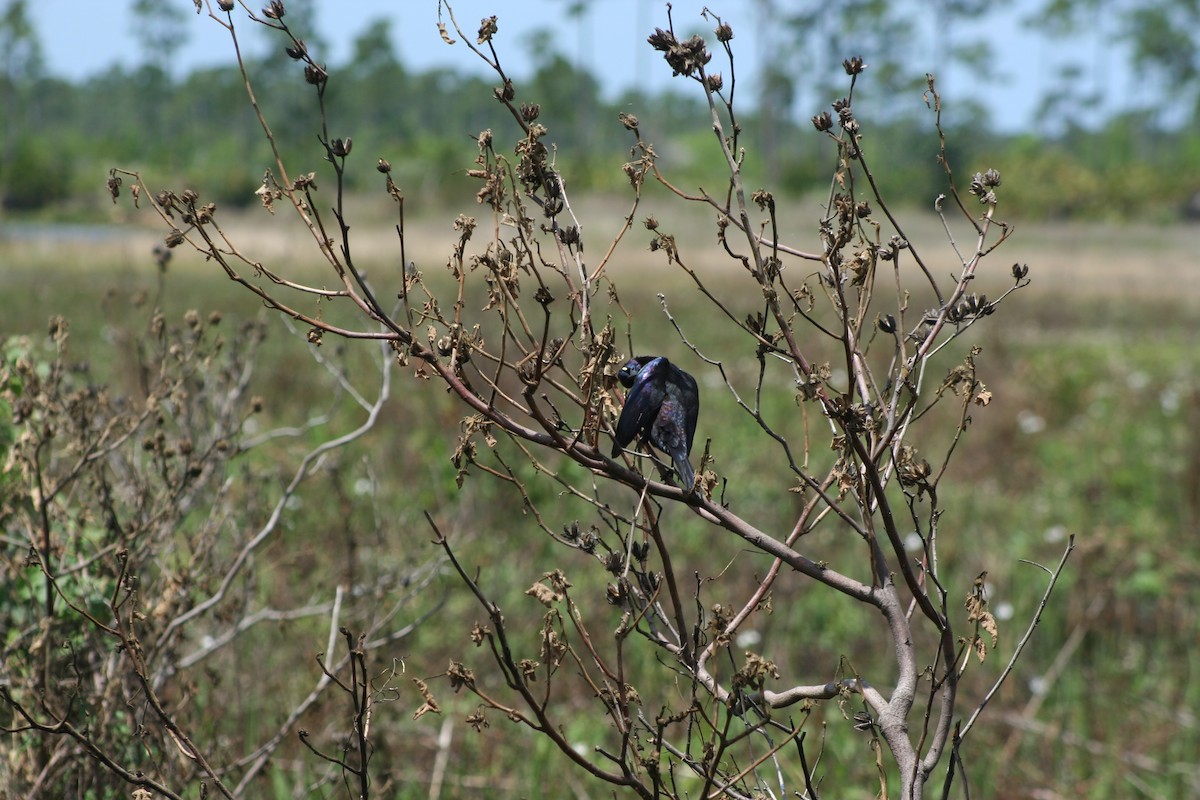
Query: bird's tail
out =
(686, 474)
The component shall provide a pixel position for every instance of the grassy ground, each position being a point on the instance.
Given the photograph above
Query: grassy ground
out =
(1092, 431)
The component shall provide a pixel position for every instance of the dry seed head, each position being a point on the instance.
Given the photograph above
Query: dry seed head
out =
(487, 29)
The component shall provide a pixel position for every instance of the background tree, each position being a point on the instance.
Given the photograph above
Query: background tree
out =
(21, 67)
(1161, 37)
(161, 30)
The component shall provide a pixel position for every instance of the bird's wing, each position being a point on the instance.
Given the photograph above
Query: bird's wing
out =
(641, 404)
(669, 435)
(689, 397)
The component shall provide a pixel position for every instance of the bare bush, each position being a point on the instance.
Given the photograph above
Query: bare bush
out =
(132, 525)
(859, 337)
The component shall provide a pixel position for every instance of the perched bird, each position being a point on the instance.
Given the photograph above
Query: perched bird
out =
(662, 407)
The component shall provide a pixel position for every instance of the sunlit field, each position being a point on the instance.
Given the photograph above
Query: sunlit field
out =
(1093, 430)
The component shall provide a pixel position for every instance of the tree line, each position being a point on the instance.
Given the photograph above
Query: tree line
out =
(65, 134)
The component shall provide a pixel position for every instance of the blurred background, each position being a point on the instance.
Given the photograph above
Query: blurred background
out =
(1094, 102)
(1088, 108)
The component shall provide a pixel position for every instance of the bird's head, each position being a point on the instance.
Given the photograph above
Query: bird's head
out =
(629, 372)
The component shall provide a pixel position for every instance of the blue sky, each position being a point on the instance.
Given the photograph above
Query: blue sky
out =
(80, 38)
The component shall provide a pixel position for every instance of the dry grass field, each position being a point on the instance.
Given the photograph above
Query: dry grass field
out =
(1077, 258)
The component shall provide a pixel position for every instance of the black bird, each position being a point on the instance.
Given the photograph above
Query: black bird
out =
(662, 407)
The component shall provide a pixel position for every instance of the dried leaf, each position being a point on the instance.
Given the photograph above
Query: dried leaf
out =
(988, 623)
(430, 706)
(543, 594)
